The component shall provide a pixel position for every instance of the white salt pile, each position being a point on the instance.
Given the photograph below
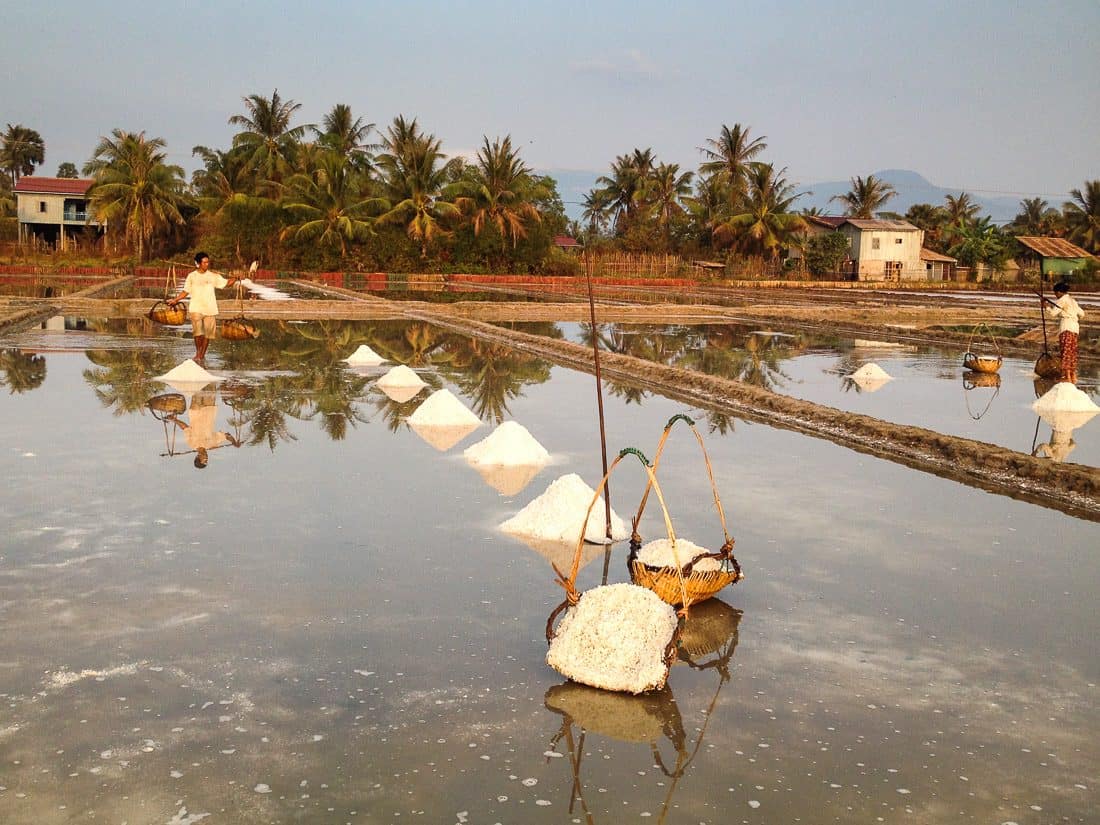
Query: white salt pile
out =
(401, 376)
(1065, 397)
(659, 553)
(189, 372)
(364, 357)
(872, 372)
(442, 436)
(443, 409)
(558, 514)
(510, 444)
(615, 639)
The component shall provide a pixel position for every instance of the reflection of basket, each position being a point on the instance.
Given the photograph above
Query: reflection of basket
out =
(987, 364)
(168, 315)
(711, 626)
(981, 379)
(239, 329)
(1048, 366)
(170, 403)
(685, 586)
(642, 719)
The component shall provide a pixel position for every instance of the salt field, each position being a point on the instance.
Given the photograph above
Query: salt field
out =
(326, 624)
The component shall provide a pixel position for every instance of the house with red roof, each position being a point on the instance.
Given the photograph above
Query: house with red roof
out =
(53, 210)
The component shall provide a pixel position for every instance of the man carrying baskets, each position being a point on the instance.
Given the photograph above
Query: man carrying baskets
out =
(199, 287)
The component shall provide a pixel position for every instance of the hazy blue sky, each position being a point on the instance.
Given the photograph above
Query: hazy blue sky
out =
(989, 96)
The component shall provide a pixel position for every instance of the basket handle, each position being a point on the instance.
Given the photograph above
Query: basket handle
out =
(153, 309)
(988, 334)
(727, 547)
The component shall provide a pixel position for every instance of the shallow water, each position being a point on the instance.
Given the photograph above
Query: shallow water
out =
(324, 625)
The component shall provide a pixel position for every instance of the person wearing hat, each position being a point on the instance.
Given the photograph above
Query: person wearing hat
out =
(200, 286)
(1069, 314)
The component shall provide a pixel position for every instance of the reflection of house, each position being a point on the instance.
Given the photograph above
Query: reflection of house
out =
(938, 267)
(884, 250)
(53, 210)
(1051, 256)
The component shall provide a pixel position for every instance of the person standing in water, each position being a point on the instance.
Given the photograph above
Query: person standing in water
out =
(200, 286)
(1069, 313)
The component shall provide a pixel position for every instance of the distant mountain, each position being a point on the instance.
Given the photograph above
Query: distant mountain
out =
(912, 188)
(574, 184)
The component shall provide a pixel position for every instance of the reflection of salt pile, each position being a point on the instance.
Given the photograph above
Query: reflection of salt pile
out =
(400, 376)
(615, 638)
(509, 444)
(401, 394)
(508, 479)
(870, 377)
(1065, 397)
(442, 420)
(560, 553)
(640, 719)
(557, 515)
(659, 554)
(364, 357)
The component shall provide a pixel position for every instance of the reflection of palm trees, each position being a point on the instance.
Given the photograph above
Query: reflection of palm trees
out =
(22, 371)
(333, 393)
(125, 378)
(266, 410)
(491, 374)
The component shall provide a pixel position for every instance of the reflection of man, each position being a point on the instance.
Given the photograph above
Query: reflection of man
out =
(200, 286)
(200, 433)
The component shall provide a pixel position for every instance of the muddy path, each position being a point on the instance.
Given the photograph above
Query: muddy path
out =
(1070, 488)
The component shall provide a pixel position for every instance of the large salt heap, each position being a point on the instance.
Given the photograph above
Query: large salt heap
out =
(510, 444)
(401, 376)
(189, 372)
(442, 409)
(1065, 397)
(558, 514)
(364, 356)
(508, 479)
(615, 638)
(870, 377)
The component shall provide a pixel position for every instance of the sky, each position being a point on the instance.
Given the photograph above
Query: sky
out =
(991, 97)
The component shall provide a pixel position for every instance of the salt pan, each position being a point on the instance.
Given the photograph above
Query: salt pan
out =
(1065, 397)
(365, 357)
(509, 444)
(189, 372)
(442, 409)
(401, 376)
(872, 372)
(615, 638)
(659, 553)
(557, 515)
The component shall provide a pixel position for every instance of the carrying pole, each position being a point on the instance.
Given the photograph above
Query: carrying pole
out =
(599, 393)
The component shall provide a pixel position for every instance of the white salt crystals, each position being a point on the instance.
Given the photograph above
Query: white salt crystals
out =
(659, 553)
(1065, 397)
(189, 373)
(442, 409)
(401, 376)
(364, 357)
(871, 372)
(615, 638)
(510, 444)
(558, 514)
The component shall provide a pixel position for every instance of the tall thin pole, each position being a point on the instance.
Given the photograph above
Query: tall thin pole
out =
(599, 391)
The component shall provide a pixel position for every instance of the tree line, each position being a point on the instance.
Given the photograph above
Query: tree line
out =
(347, 194)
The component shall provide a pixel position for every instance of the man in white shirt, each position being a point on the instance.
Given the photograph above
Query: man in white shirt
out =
(1068, 312)
(200, 286)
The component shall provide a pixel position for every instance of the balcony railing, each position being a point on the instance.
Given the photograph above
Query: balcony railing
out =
(76, 216)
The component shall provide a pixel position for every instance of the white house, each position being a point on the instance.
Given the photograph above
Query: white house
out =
(54, 210)
(885, 250)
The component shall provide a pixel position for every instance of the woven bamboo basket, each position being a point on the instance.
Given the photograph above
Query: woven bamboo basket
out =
(170, 403)
(684, 586)
(1048, 366)
(239, 329)
(986, 362)
(169, 316)
(981, 379)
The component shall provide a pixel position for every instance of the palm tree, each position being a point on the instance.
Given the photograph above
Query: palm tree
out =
(766, 223)
(623, 187)
(330, 204)
(413, 179)
(960, 209)
(21, 150)
(267, 138)
(663, 191)
(347, 134)
(224, 192)
(728, 157)
(981, 241)
(1082, 216)
(498, 195)
(21, 371)
(134, 187)
(597, 211)
(931, 219)
(866, 197)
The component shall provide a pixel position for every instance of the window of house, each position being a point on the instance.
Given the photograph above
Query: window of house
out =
(41, 206)
(897, 240)
(874, 243)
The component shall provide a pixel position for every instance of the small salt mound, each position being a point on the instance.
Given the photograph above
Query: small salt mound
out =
(189, 372)
(401, 376)
(365, 357)
(659, 553)
(558, 514)
(443, 409)
(1065, 397)
(872, 372)
(615, 638)
(510, 444)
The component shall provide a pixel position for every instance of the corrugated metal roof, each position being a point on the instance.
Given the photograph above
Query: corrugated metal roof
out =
(35, 185)
(1052, 247)
(566, 242)
(831, 221)
(892, 226)
(929, 255)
